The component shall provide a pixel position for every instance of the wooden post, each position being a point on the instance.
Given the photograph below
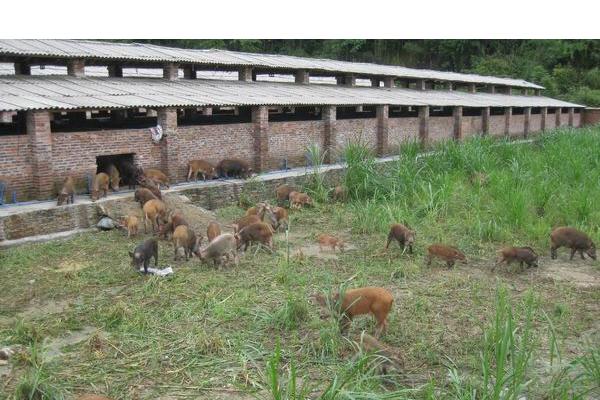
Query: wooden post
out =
(423, 125)
(457, 113)
(328, 115)
(507, 118)
(382, 129)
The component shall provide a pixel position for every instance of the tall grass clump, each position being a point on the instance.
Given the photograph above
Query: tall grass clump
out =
(362, 178)
(316, 183)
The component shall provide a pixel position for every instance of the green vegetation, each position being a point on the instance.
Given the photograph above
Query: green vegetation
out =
(88, 323)
(568, 69)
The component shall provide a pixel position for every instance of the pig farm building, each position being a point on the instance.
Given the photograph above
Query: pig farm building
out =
(68, 106)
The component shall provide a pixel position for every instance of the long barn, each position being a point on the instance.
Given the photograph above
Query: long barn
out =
(67, 106)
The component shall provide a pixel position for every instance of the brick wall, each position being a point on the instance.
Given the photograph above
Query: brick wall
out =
(441, 128)
(356, 130)
(290, 140)
(402, 130)
(535, 123)
(215, 142)
(517, 123)
(497, 123)
(15, 166)
(591, 116)
(577, 119)
(471, 126)
(550, 121)
(75, 153)
(564, 118)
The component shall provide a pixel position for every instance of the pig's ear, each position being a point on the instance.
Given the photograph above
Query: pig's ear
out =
(131, 254)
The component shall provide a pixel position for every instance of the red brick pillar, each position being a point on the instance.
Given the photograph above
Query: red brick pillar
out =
(423, 125)
(388, 82)
(544, 116)
(302, 76)
(485, 121)
(382, 129)
(115, 71)
(457, 113)
(40, 141)
(22, 68)
(207, 111)
(507, 118)
(557, 113)
(245, 74)
(329, 117)
(260, 120)
(171, 71)
(526, 121)
(571, 116)
(167, 119)
(76, 68)
(375, 82)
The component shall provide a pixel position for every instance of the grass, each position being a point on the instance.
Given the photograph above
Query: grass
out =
(251, 332)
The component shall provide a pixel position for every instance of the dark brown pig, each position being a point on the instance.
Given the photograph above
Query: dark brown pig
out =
(282, 193)
(204, 168)
(142, 195)
(67, 193)
(519, 254)
(243, 222)
(403, 235)
(366, 300)
(184, 237)
(100, 186)
(281, 218)
(176, 219)
(130, 173)
(234, 168)
(574, 239)
(445, 253)
(152, 186)
(258, 232)
(142, 254)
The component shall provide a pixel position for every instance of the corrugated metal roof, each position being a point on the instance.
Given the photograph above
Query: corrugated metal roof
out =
(151, 53)
(66, 92)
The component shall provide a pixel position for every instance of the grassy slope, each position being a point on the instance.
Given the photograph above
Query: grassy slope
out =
(203, 329)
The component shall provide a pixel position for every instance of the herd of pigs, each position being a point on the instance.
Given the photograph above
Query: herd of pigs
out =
(262, 221)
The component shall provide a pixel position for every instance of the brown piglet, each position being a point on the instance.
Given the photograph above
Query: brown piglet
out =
(142, 195)
(298, 200)
(175, 220)
(201, 167)
(330, 241)
(155, 211)
(243, 222)
(131, 223)
(377, 301)
(519, 254)
(282, 193)
(157, 176)
(404, 236)
(574, 239)
(445, 253)
(213, 230)
(100, 186)
(185, 238)
(67, 193)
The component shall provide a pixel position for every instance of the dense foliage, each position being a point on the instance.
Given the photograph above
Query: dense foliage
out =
(567, 68)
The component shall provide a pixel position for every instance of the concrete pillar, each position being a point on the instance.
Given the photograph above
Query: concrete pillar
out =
(388, 82)
(115, 71)
(260, 120)
(507, 118)
(40, 142)
(571, 116)
(375, 82)
(485, 120)
(329, 116)
(171, 71)
(457, 113)
(421, 84)
(302, 76)
(509, 91)
(544, 117)
(22, 68)
(382, 129)
(423, 125)
(472, 88)
(557, 113)
(245, 74)
(492, 88)
(189, 72)
(167, 119)
(76, 68)
(527, 121)
(207, 111)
